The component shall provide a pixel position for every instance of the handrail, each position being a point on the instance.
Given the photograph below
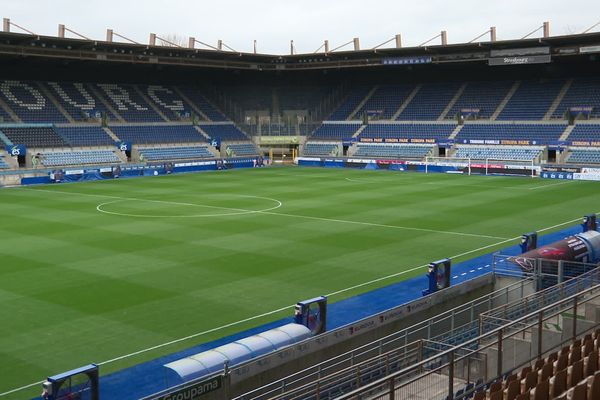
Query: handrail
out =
(495, 331)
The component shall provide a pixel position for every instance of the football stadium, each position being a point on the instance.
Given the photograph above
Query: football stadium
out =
(187, 221)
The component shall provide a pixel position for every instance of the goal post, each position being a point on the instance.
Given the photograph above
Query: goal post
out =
(450, 164)
(506, 166)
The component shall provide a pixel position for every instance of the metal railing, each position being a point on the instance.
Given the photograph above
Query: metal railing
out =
(505, 349)
(385, 355)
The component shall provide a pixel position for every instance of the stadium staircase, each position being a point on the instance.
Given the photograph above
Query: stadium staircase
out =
(406, 102)
(361, 104)
(506, 99)
(9, 111)
(359, 131)
(196, 127)
(566, 133)
(44, 89)
(558, 99)
(105, 102)
(452, 102)
(455, 132)
(111, 134)
(150, 102)
(200, 113)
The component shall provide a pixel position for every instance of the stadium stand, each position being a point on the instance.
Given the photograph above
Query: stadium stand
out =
(320, 149)
(34, 136)
(84, 135)
(29, 102)
(531, 100)
(87, 157)
(585, 132)
(584, 92)
(527, 133)
(242, 149)
(168, 101)
(335, 131)
(484, 96)
(349, 104)
(128, 103)
(79, 101)
(143, 134)
(225, 133)
(391, 150)
(584, 156)
(386, 101)
(420, 131)
(5, 116)
(520, 153)
(194, 95)
(176, 153)
(3, 164)
(429, 102)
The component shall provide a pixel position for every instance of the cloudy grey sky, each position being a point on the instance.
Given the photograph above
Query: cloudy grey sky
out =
(274, 22)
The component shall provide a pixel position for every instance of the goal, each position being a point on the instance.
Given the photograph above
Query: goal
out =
(448, 165)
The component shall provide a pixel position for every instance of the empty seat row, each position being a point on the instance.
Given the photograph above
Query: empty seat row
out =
(176, 153)
(53, 159)
(225, 132)
(321, 149)
(584, 156)
(85, 135)
(142, 134)
(498, 153)
(242, 149)
(399, 131)
(34, 136)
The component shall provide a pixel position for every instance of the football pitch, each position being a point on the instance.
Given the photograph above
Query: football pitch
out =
(118, 271)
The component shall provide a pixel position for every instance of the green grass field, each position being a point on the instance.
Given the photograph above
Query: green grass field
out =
(93, 271)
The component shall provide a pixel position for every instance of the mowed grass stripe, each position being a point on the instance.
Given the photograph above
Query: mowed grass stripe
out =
(103, 286)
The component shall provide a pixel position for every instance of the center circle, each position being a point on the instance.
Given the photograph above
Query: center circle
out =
(133, 204)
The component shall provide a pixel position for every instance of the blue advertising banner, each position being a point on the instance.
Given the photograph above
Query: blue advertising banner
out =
(124, 146)
(215, 142)
(557, 175)
(16, 150)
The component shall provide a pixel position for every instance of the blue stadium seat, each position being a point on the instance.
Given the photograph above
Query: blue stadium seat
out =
(168, 101)
(429, 102)
(29, 102)
(585, 133)
(3, 164)
(194, 95)
(243, 149)
(485, 96)
(89, 157)
(531, 100)
(227, 132)
(34, 136)
(387, 99)
(584, 156)
(349, 104)
(406, 131)
(126, 101)
(335, 131)
(142, 134)
(79, 100)
(176, 153)
(84, 135)
(320, 149)
(584, 92)
(499, 153)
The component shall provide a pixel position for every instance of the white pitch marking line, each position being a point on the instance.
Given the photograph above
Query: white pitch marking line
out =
(463, 274)
(268, 212)
(290, 306)
(551, 184)
(471, 271)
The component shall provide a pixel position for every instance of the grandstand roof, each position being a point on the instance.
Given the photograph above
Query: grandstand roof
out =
(26, 45)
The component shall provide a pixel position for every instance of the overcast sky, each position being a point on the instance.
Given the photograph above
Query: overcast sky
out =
(274, 22)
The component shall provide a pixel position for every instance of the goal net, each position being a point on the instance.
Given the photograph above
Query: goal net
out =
(448, 165)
